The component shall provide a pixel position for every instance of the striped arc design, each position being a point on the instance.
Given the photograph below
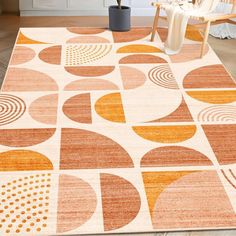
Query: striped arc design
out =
(163, 76)
(11, 108)
(230, 176)
(218, 114)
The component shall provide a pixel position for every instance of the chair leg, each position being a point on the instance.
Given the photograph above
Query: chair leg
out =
(206, 34)
(155, 23)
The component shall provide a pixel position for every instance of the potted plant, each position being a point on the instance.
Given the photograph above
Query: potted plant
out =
(119, 17)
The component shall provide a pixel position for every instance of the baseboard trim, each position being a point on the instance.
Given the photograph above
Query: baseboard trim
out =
(135, 12)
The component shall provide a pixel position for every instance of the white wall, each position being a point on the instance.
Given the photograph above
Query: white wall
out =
(10, 5)
(80, 7)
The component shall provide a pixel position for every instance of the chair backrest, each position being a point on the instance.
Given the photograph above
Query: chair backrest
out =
(225, 1)
(232, 2)
(228, 1)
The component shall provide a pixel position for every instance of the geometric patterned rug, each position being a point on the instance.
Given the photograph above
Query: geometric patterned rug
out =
(102, 132)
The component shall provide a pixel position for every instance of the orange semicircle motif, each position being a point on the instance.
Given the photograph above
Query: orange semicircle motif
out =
(44, 109)
(138, 48)
(22, 55)
(166, 134)
(22, 80)
(85, 30)
(78, 108)
(77, 202)
(89, 71)
(199, 195)
(51, 55)
(132, 35)
(24, 160)
(91, 84)
(222, 138)
(174, 156)
(156, 182)
(131, 77)
(193, 33)
(214, 96)
(25, 137)
(22, 39)
(110, 108)
(142, 59)
(120, 201)
(101, 152)
(213, 76)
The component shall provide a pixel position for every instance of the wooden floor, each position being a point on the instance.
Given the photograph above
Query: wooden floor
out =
(9, 25)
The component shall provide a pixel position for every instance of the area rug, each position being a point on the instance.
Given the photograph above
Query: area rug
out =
(102, 132)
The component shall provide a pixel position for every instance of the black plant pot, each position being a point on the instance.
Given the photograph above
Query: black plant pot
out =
(119, 19)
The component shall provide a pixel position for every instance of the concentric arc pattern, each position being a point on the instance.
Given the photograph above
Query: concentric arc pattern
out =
(11, 108)
(218, 114)
(163, 76)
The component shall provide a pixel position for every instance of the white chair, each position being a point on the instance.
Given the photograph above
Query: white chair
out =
(207, 20)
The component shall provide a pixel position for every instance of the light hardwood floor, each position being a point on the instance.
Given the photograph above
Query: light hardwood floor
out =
(9, 25)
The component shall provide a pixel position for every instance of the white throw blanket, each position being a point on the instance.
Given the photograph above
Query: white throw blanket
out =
(177, 16)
